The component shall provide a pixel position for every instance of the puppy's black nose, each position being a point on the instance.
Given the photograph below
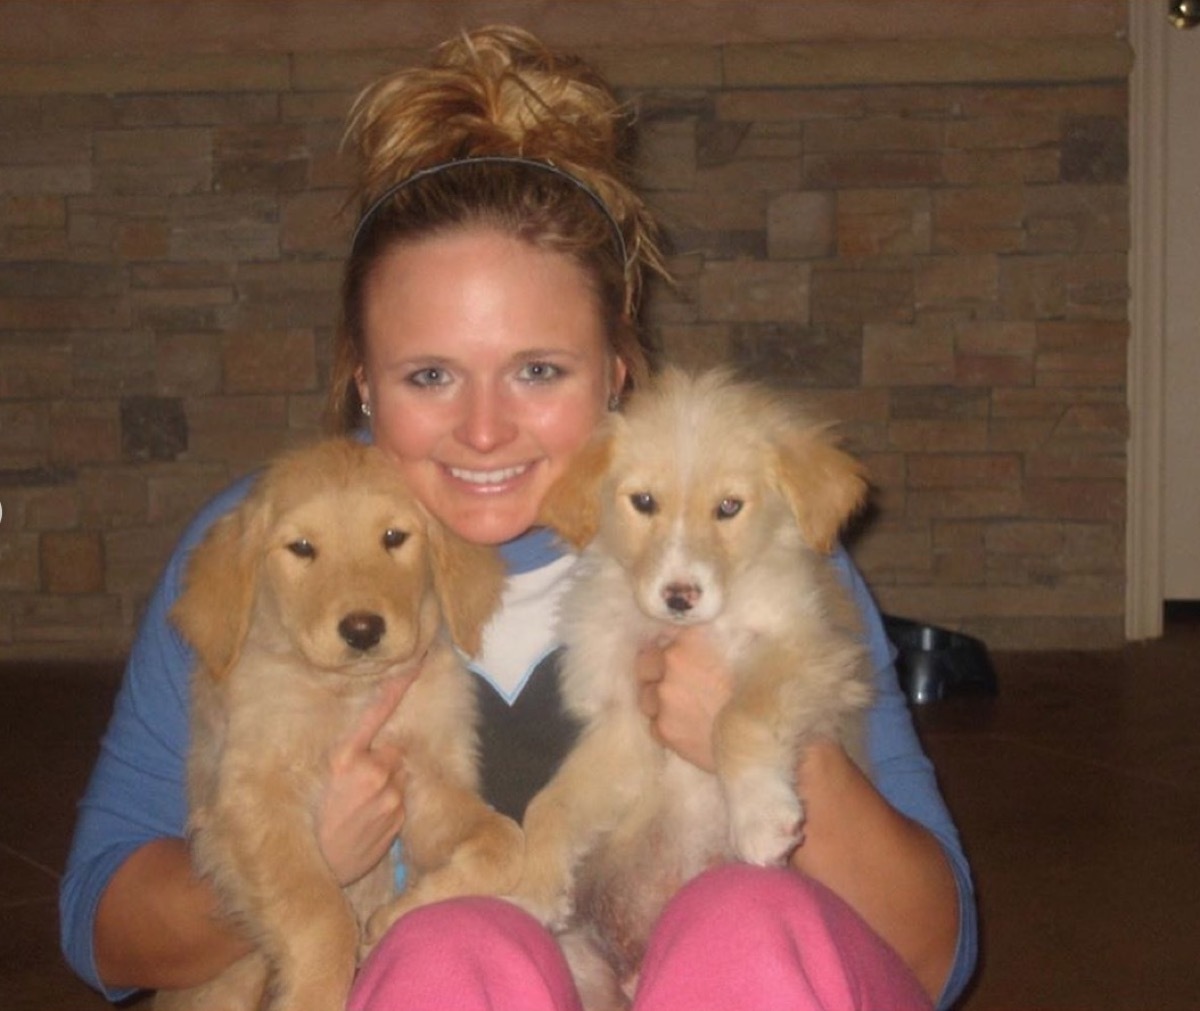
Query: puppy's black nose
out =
(361, 630)
(681, 597)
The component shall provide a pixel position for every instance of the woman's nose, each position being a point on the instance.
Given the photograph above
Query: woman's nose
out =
(488, 421)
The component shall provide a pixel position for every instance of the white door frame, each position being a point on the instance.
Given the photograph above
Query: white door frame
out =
(1147, 339)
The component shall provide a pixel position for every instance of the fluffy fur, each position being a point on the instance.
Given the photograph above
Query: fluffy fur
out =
(328, 580)
(707, 502)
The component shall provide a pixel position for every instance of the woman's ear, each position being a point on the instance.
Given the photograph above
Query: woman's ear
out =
(572, 504)
(363, 387)
(220, 581)
(823, 485)
(468, 579)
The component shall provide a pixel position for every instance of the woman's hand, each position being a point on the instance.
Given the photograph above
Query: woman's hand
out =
(361, 809)
(682, 685)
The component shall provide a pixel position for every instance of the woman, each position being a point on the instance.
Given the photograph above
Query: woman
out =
(488, 308)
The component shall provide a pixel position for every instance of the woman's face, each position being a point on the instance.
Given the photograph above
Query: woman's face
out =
(486, 367)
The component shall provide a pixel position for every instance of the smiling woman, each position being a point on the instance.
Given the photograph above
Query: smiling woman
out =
(486, 367)
(488, 324)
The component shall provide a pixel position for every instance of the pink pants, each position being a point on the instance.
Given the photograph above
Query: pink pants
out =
(735, 937)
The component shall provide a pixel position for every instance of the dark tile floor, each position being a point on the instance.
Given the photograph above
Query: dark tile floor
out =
(1077, 791)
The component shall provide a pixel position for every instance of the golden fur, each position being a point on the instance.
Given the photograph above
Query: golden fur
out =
(299, 604)
(713, 502)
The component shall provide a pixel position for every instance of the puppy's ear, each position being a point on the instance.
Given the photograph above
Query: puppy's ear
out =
(214, 610)
(823, 485)
(572, 504)
(468, 579)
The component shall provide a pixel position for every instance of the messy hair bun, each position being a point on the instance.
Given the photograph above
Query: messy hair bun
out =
(500, 131)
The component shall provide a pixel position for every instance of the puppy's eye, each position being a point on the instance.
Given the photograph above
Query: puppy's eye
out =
(393, 538)
(302, 548)
(644, 503)
(727, 508)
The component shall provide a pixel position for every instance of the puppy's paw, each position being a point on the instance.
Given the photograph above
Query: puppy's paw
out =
(545, 901)
(380, 922)
(766, 819)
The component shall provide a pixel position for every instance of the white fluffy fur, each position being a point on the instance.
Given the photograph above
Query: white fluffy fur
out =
(748, 497)
(278, 685)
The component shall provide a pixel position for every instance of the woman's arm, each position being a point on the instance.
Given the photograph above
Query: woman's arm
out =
(886, 844)
(158, 925)
(890, 869)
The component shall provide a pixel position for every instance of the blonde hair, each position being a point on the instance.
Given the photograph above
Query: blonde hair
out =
(498, 131)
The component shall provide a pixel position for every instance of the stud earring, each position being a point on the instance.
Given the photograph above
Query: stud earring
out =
(614, 402)
(366, 409)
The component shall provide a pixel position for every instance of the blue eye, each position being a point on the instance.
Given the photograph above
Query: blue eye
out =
(540, 372)
(433, 375)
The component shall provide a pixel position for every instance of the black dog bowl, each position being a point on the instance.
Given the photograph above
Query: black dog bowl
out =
(935, 663)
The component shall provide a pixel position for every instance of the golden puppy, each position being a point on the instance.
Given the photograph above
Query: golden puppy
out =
(708, 502)
(328, 580)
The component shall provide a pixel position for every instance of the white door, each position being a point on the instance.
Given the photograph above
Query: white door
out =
(1163, 556)
(1181, 356)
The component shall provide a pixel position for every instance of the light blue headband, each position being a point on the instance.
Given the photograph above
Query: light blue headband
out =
(531, 163)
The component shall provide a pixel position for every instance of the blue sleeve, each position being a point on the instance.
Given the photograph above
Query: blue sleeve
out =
(905, 776)
(137, 789)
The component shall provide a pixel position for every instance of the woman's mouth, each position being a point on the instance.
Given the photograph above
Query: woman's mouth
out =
(487, 478)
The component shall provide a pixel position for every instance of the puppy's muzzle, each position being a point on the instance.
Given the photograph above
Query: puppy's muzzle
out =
(681, 597)
(362, 630)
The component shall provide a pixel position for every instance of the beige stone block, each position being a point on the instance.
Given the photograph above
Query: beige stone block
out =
(203, 72)
(955, 281)
(996, 337)
(315, 222)
(899, 355)
(24, 434)
(658, 66)
(345, 71)
(993, 370)
(1082, 335)
(85, 431)
(667, 154)
(72, 562)
(1086, 501)
(801, 226)
(187, 364)
(865, 170)
(268, 362)
(950, 436)
(174, 493)
(1064, 463)
(998, 168)
(910, 61)
(58, 180)
(1023, 537)
(1033, 287)
(872, 223)
(239, 431)
(874, 133)
(754, 292)
(979, 220)
(55, 507)
(35, 369)
(1082, 370)
(865, 296)
(111, 497)
(953, 470)
(19, 564)
(224, 229)
(1018, 435)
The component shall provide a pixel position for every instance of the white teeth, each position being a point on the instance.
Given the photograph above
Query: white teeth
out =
(487, 476)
